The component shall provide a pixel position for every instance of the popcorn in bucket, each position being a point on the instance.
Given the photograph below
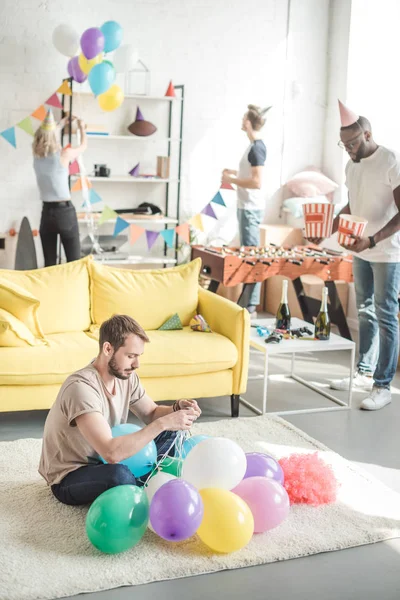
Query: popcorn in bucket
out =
(350, 225)
(318, 219)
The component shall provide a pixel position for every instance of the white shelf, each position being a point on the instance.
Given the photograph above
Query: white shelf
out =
(160, 221)
(127, 179)
(131, 138)
(135, 97)
(135, 260)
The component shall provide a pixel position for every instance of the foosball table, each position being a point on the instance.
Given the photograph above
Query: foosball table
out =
(250, 265)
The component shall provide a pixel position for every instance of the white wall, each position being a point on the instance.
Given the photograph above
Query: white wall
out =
(226, 57)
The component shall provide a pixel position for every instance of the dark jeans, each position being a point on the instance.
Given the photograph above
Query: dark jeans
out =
(59, 218)
(85, 484)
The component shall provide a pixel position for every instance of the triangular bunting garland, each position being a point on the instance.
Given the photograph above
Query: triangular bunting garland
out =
(226, 186)
(26, 125)
(94, 197)
(151, 238)
(218, 199)
(135, 233)
(208, 210)
(67, 146)
(74, 168)
(54, 101)
(78, 185)
(107, 214)
(168, 235)
(9, 135)
(120, 225)
(196, 222)
(64, 89)
(184, 232)
(39, 113)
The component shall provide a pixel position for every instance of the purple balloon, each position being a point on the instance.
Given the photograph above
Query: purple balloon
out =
(176, 510)
(92, 42)
(75, 71)
(263, 465)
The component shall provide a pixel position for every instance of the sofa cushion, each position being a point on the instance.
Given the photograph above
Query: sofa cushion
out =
(14, 333)
(184, 352)
(45, 365)
(149, 296)
(63, 293)
(20, 303)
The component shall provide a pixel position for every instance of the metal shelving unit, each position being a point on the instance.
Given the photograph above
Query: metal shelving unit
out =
(169, 140)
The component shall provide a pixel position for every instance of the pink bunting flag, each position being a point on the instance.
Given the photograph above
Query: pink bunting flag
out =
(151, 238)
(135, 233)
(74, 168)
(54, 101)
(184, 232)
(226, 186)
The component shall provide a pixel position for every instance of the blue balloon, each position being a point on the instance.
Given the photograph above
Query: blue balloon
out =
(101, 77)
(143, 461)
(113, 33)
(191, 442)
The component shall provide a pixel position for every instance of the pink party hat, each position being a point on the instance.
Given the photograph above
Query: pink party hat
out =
(139, 116)
(49, 123)
(347, 116)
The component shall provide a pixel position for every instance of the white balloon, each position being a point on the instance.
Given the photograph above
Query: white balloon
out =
(216, 463)
(66, 40)
(154, 485)
(125, 58)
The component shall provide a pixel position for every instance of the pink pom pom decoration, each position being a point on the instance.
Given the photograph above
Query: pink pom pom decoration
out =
(309, 480)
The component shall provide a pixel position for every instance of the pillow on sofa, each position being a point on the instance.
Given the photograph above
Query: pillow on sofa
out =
(149, 296)
(311, 183)
(20, 303)
(61, 290)
(13, 333)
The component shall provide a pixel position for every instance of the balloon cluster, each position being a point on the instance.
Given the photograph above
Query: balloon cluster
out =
(89, 59)
(211, 487)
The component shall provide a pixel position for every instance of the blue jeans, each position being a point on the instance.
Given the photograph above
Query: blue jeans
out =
(377, 288)
(85, 484)
(249, 230)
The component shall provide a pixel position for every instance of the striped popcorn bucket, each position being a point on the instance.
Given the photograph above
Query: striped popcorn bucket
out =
(318, 219)
(350, 225)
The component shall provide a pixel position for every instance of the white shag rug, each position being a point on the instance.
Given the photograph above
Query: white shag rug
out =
(44, 551)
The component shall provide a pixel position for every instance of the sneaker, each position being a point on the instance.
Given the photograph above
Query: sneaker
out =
(361, 383)
(377, 399)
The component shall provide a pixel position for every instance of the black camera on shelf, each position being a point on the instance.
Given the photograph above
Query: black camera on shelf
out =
(101, 171)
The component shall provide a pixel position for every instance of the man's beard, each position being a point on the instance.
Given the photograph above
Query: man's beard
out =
(360, 154)
(113, 370)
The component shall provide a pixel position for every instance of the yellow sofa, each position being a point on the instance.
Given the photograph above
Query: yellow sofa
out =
(50, 318)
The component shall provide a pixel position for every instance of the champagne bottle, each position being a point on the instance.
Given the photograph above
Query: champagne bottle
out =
(283, 314)
(323, 323)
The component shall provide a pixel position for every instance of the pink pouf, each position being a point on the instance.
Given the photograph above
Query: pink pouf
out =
(309, 480)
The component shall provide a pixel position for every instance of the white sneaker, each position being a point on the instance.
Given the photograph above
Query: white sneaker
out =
(361, 382)
(377, 399)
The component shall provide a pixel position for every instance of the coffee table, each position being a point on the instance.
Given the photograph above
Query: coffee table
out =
(292, 347)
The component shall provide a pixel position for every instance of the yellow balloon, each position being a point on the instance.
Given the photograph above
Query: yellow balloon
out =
(112, 98)
(228, 523)
(87, 65)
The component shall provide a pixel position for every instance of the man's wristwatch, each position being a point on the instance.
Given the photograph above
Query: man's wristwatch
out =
(372, 242)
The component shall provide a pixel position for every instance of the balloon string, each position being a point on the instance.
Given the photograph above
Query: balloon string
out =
(178, 442)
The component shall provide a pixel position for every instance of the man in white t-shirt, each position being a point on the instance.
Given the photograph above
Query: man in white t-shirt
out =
(248, 179)
(373, 182)
(96, 398)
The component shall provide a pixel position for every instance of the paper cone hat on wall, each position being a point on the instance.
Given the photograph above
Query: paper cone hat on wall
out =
(171, 90)
(140, 126)
(135, 171)
(49, 123)
(347, 116)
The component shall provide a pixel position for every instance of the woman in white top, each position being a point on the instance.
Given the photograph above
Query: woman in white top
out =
(248, 179)
(50, 164)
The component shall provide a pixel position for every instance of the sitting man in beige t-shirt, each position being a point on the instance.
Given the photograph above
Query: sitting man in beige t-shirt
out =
(92, 401)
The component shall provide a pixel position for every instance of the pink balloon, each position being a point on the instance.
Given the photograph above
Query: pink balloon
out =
(267, 500)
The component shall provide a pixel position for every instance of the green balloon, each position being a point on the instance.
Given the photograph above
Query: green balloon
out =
(118, 518)
(171, 465)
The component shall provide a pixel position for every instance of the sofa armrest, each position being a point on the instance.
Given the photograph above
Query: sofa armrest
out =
(232, 321)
